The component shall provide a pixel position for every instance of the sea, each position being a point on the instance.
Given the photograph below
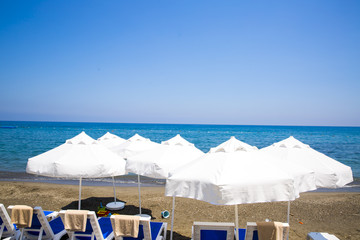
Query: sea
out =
(21, 140)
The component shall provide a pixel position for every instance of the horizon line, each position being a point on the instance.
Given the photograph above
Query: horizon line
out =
(206, 124)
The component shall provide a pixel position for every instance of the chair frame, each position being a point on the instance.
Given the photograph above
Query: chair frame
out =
(94, 224)
(252, 226)
(147, 230)
(6, 222)
(229, 227)
(45, 226)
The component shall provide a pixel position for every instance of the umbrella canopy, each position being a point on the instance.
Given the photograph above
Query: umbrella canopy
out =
(233, 173)
(329, 173)
(80, 156)
(230, 174)
(178, 141)
(133, 146)
(158, 162)
(110, 140)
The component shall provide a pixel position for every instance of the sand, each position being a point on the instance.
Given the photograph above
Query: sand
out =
(335, 213)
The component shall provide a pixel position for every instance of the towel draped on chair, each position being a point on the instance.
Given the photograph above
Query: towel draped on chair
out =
(22, 215)
(270, 230)
(75, 220)
(125, 225)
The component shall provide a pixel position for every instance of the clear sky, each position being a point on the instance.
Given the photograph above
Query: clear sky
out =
(181, 61)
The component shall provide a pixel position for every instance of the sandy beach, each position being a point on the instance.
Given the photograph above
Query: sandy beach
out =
(335, 213)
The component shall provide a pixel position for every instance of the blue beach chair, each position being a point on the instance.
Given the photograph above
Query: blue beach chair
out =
(213, 231)
(7, 229)
(149, 231)
(45, 225)
(251, 231)
(96, 228)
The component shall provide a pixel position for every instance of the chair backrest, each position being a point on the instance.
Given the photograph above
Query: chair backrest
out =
(213, 231)
(144, 231)
(6, 227)
(92, 227)
(251, 227)
(40, 225)
(38, 211)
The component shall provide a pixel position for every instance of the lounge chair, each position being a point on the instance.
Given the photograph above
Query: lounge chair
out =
(213, 231)
(251, 231)
(149, 231)
(321, 236)
(7, 229)
(99, 228)
(45, 225)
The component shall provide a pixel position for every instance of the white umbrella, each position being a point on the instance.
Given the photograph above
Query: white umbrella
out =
(329, 173)
(79, 157)
(231, 174)
(133, 146)
(110, 140)
(158, 162)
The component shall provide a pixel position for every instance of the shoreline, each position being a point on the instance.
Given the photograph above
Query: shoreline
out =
(129, 180)
(333, 212)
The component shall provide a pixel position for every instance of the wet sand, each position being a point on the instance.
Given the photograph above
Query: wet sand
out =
(332, 212)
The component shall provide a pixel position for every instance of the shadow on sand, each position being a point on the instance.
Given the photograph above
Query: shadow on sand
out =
(93, 203)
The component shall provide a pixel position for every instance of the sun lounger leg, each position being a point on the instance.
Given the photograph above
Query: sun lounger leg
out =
(41, 233)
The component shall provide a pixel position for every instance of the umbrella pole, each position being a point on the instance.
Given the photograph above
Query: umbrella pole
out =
(139, 194)
(288, 216)
(172, 218)
(79, 206)
(237, 222)
(114, 189)
(288, 213)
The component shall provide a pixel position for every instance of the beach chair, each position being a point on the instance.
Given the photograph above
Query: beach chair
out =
(45, 225)
(321, 236)
(213, 231)
(7, 229)
(251, 231)
(149, 230)
(96, 228)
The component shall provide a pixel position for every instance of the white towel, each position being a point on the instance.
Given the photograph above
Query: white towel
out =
(22, 215)
(125, 225)
(75, 220)
(270, 230)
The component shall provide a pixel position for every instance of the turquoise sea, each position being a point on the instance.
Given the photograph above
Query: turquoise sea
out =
(22, 140)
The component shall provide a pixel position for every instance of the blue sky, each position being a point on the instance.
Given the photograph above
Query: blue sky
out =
(184, 61)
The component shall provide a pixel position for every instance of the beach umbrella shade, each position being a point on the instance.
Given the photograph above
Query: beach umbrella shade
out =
(232, 173)
(168, 156)
(133, 146)
(79, 157)
(158, 162)
(329, 173)
(110, 140)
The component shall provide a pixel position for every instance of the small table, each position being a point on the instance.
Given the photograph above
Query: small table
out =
(115, 205)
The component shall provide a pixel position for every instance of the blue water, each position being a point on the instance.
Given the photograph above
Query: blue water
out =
(22, 140)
